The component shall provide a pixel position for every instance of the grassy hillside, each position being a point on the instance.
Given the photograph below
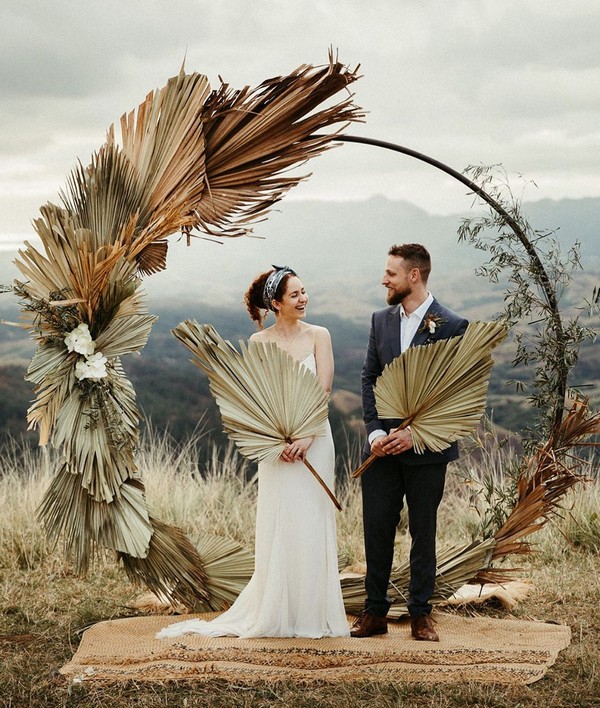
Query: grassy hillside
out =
(339, 249)
(44, 608)
(173, 393)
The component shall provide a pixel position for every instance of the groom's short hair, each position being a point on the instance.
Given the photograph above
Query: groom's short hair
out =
(415, 255)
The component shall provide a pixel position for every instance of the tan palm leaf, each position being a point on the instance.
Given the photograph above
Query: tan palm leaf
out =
(266, 398)
(455, 568)
(254, 136)
(190, 158)
(440, 389)
(229, 567)
(213, 161)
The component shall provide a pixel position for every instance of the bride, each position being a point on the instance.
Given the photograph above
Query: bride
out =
(295, 589)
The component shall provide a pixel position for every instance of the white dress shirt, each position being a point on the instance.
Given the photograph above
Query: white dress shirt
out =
(409, 324)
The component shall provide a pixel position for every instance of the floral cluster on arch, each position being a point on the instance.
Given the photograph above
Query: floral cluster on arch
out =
(93, 364)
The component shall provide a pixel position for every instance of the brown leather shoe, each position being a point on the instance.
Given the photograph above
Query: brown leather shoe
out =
(366, 625)
(422, 629)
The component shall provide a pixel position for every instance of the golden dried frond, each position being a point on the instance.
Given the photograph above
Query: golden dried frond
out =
(172, 568)
(547, 476)
(228, 566)
(440, 389)
(265, 397)
(153, 258)
(165, 143)
(255, 135)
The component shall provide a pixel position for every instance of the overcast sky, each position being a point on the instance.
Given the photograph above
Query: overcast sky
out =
(515, 82)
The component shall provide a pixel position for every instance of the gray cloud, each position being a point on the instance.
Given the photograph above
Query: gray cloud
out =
(472, 81)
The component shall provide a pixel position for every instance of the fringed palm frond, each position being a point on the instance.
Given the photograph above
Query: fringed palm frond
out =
(125, 334)
(72, 265)
(165, 143)
(228, 567)
(138, 195)
(85, 524)
(547, 476)
(172, 568)
(456, 565)
(255, 135)
(549, 473)
(49, 369)
(112, 226)
(266, 398)
(153, 257)
(96, 428)
(105, 197)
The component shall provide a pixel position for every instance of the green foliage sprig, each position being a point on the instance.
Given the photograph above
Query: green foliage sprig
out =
(537, 275)
(50, 322)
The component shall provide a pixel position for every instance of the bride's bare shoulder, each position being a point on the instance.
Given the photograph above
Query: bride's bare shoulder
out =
(320, 333)
(263, 336)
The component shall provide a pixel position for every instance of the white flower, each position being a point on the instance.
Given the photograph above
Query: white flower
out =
(93, 367)
(80, 340)
(431, 323)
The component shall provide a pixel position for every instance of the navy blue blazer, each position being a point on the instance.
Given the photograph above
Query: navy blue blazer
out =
(384, 345)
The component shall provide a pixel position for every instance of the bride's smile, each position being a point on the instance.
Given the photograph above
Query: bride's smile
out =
(294, 301)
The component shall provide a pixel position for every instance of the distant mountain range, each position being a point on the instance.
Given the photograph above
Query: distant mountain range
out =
(339, 249)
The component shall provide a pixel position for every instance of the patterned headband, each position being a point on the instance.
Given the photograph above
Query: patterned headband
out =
(272, 283)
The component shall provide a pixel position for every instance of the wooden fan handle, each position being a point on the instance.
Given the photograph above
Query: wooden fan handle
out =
(366, 464)
(319, 479)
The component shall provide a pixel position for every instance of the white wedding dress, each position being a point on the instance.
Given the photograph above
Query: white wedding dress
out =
(295, 589)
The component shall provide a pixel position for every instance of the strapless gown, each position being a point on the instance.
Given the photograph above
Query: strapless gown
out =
(295, 589)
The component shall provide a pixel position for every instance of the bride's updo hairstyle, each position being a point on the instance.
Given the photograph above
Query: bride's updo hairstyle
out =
(263, 290)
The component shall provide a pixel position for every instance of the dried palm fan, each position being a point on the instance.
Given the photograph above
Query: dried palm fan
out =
(266, 398)
(190, 158)
(439, 389)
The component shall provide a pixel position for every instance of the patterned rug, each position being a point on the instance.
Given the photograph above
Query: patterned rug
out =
(470, 649)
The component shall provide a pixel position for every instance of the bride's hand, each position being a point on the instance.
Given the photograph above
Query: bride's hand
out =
(296, 450)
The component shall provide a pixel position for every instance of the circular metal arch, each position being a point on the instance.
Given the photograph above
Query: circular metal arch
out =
(545, 283)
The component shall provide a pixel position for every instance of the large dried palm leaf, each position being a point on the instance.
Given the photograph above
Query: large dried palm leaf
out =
(455, 568)
(266, 398)
(439, 389)
(228, 566)
(189, 159)
(254, 136)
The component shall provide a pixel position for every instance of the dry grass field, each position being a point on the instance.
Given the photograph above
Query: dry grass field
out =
(44, 608)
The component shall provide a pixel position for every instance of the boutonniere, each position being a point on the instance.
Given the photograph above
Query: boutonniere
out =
(431, 322)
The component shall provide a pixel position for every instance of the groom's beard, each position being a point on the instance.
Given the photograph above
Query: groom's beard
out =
(395, 297)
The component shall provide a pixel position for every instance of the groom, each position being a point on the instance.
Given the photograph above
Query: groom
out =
(414, 318)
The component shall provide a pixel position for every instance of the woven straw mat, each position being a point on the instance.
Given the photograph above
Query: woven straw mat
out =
(470, 649)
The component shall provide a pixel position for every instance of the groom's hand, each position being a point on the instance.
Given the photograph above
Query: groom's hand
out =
(377, 446)
(397, 442)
